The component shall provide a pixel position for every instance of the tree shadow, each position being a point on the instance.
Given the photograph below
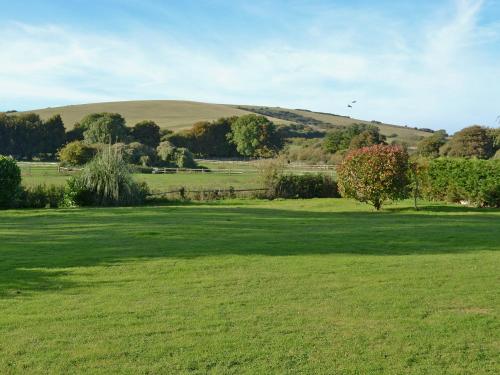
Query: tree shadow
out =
(38, 248)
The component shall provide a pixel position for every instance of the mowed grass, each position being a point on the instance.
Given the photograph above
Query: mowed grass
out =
(250, 287)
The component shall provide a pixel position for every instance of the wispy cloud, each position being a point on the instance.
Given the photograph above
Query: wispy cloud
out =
(436, 74)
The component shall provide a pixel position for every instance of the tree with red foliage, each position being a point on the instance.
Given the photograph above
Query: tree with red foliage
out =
(374, 174)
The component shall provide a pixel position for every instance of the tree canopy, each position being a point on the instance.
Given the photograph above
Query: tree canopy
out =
(255, 136)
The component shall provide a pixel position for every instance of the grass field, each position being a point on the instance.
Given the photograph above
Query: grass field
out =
(36, 174)
(39, 173)
(250, 287)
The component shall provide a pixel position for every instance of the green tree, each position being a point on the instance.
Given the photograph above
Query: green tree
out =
(430, 146)
(255, 136)
(175, 156)
(76, 153)
(340, 139)
(10, 181)
(53, 135)
(367, 138)
(471, 142)
(374, 174)
(136, 153)
(104, 128)
(147, 133)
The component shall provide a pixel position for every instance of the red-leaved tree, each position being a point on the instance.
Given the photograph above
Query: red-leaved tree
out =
(374, 174)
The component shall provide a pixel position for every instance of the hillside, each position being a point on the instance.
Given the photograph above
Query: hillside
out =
(176, 115)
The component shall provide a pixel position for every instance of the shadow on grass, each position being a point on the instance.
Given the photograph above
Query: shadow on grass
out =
(37, 247)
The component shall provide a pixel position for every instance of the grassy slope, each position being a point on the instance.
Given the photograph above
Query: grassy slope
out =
(320, 286)
(404, 134)
(174, 114)
(171, 114)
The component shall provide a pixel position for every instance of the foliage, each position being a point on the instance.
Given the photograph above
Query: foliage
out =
(10, 181)
(255, 136)
(207, 139)
(298, 131)
(471, 180)
(106, 181)
(175, 156)
(76, 153)
(430, 146)
(309, 151)
(471, 142)
(147, 133)
(104, 128)
(270, 172)
(137, 153)
(75, 134)
(367, 138)
(340, 139)
(374, 174)
(41, 196)
(291, 186)
(27, 135)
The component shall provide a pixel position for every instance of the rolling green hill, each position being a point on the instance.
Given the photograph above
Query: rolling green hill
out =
(176, 115)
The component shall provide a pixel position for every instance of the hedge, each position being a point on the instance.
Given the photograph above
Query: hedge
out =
(474, 181)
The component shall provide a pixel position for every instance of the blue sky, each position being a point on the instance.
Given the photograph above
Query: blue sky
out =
(428, 63)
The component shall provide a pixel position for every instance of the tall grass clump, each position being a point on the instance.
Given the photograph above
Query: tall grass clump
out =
(106, 181)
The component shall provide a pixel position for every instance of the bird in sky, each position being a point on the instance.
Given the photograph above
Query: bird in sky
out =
(353, 102)
(349, 106)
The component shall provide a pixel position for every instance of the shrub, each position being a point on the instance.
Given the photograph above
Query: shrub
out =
(10, 181)
(77, 153)
(473, 181)
(106, 181)
(350, 137)
(136, 153)
(175, 156)
(374, 174)
(305, 186)
(41, 196)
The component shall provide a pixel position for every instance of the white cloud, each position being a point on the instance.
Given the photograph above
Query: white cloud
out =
(433, 76)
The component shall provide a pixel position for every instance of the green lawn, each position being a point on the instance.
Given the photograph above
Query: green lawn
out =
(250, 287)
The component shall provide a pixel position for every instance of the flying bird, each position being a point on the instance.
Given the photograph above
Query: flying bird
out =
(349, 106)
(354, 101)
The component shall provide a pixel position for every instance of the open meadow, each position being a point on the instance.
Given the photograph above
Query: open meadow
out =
(251, 287)
(244, 175)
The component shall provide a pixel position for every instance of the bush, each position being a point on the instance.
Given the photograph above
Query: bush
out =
(305, 186)
(42, 196)
(474, 181)
(105, 181)
(175, 156)
(76, 153)
(10, 181)
(374, 174)
(136, 153)
(279, 184)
